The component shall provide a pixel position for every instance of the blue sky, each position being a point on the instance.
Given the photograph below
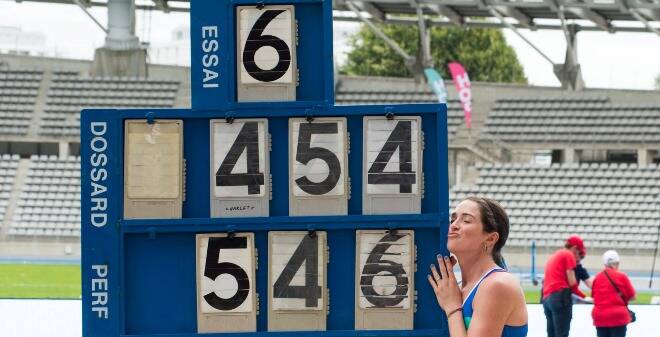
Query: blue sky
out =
(620, 60)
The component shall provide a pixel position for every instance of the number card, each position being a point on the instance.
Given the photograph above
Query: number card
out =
(226, 300)
(392, 165)
(240, 178)
(153, 169)
(384, 294)
(297, 281)
(266, 53)
(317, 166)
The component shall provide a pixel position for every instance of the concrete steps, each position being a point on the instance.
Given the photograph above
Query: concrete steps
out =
(16, 189)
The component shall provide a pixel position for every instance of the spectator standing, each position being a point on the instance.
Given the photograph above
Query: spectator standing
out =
(582, 275)
(558, 280)
(611, 291)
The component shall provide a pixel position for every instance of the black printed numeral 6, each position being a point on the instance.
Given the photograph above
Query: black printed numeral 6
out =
(377, 265)
(256, 40)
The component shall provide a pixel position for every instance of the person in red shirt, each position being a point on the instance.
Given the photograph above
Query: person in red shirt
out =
(581, 274)
(557, 282)
(610, 312)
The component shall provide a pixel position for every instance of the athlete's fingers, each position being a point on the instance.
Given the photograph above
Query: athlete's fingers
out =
(432, 282)
(447, 265)
(453, 260)
(450, 270)
(443, 268)
(436, 276)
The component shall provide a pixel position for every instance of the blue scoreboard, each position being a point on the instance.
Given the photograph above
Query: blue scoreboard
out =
(264, 209)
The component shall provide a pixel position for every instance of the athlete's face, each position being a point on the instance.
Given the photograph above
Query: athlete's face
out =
(466, 231)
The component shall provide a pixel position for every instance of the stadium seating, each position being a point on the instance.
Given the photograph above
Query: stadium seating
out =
(573, 120)
(610, 205)
(49, 204)
(69, 93)
(18, 94)
(454, 109)
(8, 166)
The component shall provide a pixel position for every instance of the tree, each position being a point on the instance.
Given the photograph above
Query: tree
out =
(483, 52)
(657, 82)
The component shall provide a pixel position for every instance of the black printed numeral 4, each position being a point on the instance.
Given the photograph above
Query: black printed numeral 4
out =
(256, 40)
(247, 140)
(307, 253)
(213, 269)
(305, 153)
(378, 266)
(400, 138)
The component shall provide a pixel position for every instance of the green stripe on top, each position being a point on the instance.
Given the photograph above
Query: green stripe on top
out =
(467, 321)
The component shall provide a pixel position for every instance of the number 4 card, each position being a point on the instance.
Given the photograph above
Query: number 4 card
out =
(393, 172)
(384, 280)
(297, 281)
(240, 176)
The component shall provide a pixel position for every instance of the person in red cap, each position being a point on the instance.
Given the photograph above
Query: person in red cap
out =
(557, 282)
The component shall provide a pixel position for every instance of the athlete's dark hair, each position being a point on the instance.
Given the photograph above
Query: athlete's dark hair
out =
(494, 219)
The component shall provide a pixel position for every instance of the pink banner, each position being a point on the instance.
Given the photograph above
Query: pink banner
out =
(462, 83)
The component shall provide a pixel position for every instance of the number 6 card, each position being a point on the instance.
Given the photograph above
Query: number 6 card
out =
(384, 283)
(266, 53)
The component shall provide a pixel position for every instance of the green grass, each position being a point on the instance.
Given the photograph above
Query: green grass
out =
(39, 281)
(533, 296)
(63, 281)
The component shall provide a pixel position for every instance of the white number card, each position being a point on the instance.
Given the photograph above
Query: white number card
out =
(265, 49)
(319, 154)
(385, 269)
(226, 298)
(239, 158)
(393, 164)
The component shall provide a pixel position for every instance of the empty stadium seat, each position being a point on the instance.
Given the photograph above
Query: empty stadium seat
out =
(611, 205)
(49, 202)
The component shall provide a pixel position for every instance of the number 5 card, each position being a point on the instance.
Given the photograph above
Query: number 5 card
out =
(226, 299)
(318, 164)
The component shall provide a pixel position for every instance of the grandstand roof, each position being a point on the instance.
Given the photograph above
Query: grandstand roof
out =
(471, 13)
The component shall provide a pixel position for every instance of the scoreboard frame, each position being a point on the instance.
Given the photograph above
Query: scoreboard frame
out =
(139, 276)
(117, 256)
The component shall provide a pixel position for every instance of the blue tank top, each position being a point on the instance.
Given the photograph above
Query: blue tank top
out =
(508, 331)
